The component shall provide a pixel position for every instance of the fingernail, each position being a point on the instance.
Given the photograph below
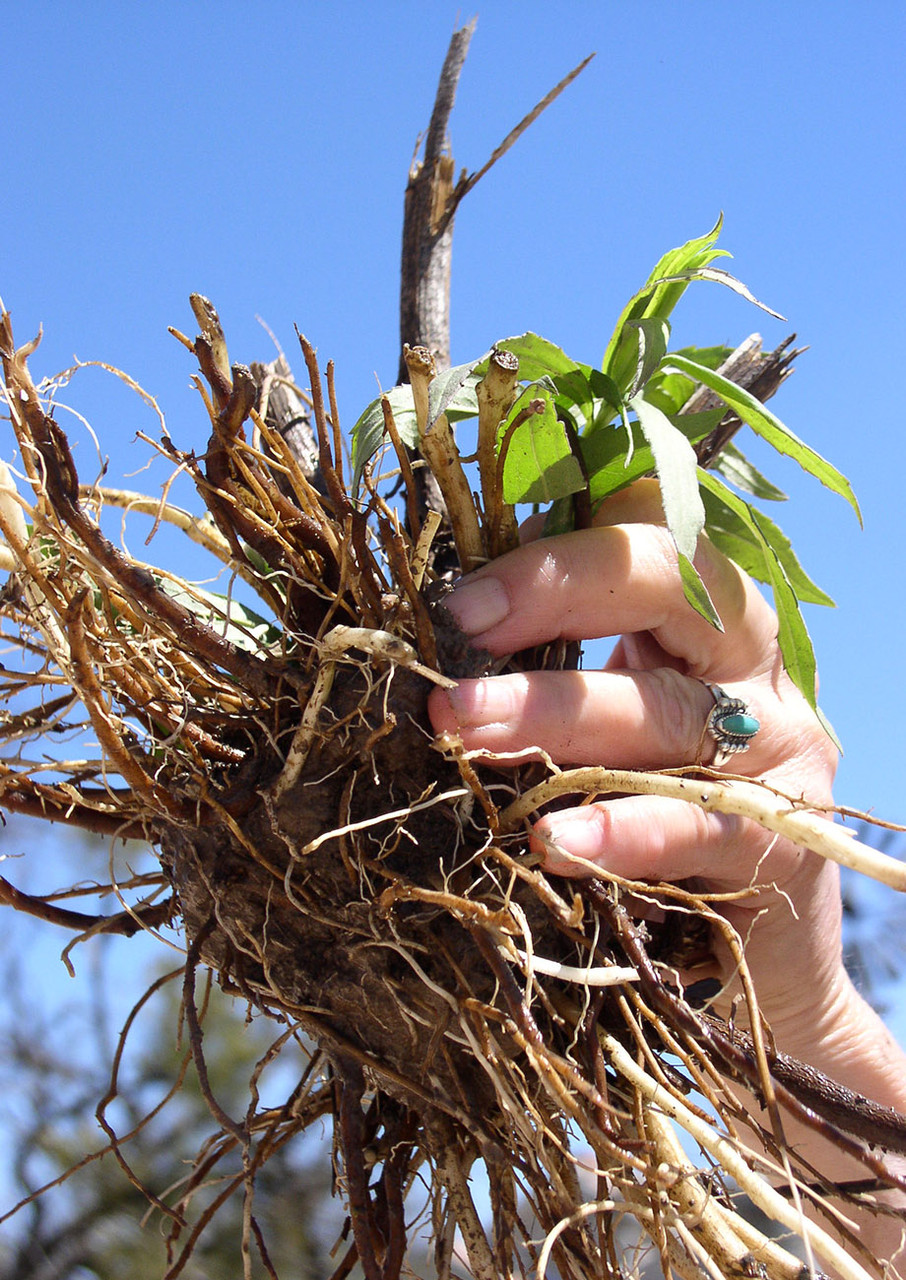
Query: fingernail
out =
(479, 702)
(579, 836)
(479, 604)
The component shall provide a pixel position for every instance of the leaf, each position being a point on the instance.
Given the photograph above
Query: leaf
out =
(653, 333)
(449, 390)
(677, 471)
(724, 278)
(539, 465)
(752, 533)
(537, 356)
(670, 391)
(764, 423)
(695, 426)
(792, 635)
(710, 357)
(237, 623)
(612, 465)
(368, 431)
(736, 541)
(730, 526)
(793, 638)
(732, 522)
(829, 729)
(658, 296)
(736, 468)
(806, 590)
(560, 518)
(578, 385)
(697, 593)
(667, 283)
(604, 388)
(574, 394)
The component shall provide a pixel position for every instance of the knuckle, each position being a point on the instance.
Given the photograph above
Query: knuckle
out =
(679, 717)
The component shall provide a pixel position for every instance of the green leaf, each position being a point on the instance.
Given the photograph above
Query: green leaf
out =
(454, 390)
(653, 334)
(677, 471)
(732, 522)
(560, 518)
(730, 526)
(695, 426)
(724, 278)
(761, 562)
(670, 391)
(612, 465)
(738, 544)
(237, 623)
(604, 388)
(697, 593)
(456, 397)
(829, 729)
(578, 385)
(368, 432)
(710, 357)
(539, 465)
(736, 468)
(792, 635)
(756, 544)
(806, 590)
(764, 423)
(667, 283)
(658, 296)
(538, 357)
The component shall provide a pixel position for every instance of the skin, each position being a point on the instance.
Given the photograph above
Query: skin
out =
(647, 709)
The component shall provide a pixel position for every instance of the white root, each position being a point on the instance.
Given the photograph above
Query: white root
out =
(748, 799)
(610, 975)
(333, 647)
(383, 645)
(729, 1158)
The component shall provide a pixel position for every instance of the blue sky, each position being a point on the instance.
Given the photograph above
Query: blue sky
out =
(259, 155)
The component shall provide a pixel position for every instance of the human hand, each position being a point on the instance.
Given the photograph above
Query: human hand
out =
(647, 710)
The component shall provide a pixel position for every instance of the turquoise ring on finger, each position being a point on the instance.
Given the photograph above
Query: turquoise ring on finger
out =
(730, 723)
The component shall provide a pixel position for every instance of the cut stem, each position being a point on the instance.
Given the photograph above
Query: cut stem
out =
(496, 393)
(439, 451)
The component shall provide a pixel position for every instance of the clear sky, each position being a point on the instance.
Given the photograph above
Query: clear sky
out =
(259, 154)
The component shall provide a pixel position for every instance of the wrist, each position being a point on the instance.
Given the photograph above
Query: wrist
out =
(847, 1041)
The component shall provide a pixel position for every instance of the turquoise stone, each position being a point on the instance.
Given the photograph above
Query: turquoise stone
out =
(739, 725)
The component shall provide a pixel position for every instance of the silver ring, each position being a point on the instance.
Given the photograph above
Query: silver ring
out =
(730, 723)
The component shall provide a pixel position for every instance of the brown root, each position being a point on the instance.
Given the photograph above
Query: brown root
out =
(370, 887)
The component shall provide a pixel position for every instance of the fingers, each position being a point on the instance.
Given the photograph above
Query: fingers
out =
(783, 900)
(607, 581)
(664, 840)
(649, 708)
(640, 720)
(647, 838)
(632, 720)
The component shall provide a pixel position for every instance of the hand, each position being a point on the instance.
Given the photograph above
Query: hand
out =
(647, 710)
